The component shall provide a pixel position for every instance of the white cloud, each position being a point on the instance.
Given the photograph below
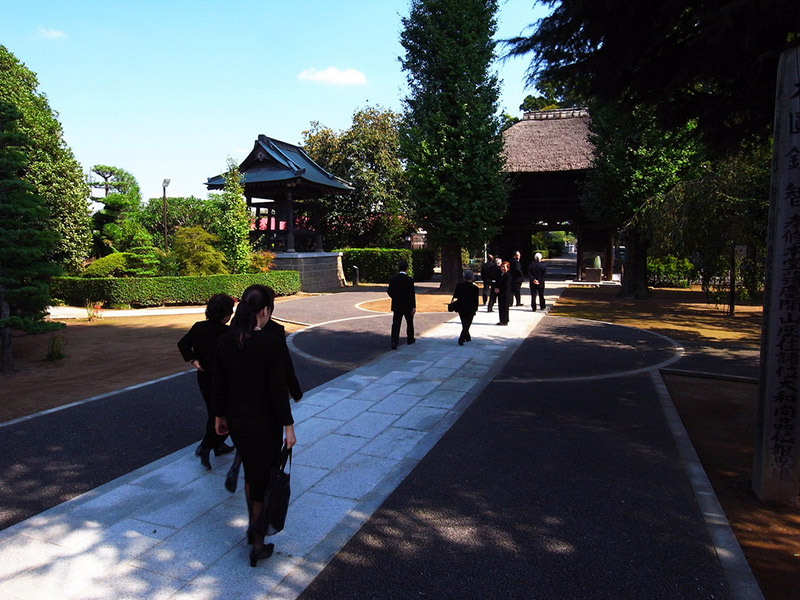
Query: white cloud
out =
(51, 34)
(334, 76)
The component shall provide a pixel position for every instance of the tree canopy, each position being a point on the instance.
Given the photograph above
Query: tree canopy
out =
(451, 132)
(51, 167)
(367, 154)
(714, 62)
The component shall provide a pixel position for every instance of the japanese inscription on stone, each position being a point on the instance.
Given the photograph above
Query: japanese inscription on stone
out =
(777, 460)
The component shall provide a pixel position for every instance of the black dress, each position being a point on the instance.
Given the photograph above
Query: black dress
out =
(504, 296)
(200, 343)
(250, 391)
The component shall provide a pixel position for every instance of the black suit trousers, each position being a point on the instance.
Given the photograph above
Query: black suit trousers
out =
(397, 319)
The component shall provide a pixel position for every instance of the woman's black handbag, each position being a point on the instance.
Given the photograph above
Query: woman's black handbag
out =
(276, 498)
(453, 306)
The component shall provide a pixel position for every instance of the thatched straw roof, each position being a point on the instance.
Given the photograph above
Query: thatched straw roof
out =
(546, 141)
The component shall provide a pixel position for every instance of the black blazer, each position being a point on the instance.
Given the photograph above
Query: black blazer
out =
(466, 293)
(537, 271)
(250, 382)
(401, 291)
(292, 382)
(504, 284)
(200, 343)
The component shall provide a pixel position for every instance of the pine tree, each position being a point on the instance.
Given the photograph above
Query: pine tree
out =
(51, 167)
(451, 132)
(25, 241)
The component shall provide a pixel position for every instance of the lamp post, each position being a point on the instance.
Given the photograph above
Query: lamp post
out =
(164, 185)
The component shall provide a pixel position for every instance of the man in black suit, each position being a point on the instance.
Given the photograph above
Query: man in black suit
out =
(404, 304)
(486, 271)
(515, 268)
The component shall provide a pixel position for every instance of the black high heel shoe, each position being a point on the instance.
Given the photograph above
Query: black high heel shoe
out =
(261, 554)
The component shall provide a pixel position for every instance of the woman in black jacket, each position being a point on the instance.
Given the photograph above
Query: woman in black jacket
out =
(503, 289)
(197, 348)
(251, 402)
(466, 296)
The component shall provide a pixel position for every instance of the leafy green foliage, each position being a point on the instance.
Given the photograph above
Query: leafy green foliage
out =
(181, 212)
(450, 135)
(24, 243)
(636, 162)
(724, 206)
(670, 271)
(111, 265)
(713, 62)
(376, 213)
(233, 225)
(51, 167)
(158, 291)
(422, 263)
(375, 265)
(115, 227)
(195, 253)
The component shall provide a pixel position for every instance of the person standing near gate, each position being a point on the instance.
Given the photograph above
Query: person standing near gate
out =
(404, 304)
(504, 293)
(537, 272)
(494, 276)
(486, 279)
(515, 268)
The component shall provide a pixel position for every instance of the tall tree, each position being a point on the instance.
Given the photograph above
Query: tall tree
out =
(51, 168)
(635, 163)
(233, 227)
(116, 227)
(367, 154)
(24, 243)
(451, 132)
(714, 62)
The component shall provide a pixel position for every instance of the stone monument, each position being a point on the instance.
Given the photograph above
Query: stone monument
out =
(776, 471)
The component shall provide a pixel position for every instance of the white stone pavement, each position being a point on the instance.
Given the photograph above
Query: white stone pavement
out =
(171, 529)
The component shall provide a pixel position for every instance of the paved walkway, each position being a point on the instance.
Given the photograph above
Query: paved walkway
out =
(171, 530)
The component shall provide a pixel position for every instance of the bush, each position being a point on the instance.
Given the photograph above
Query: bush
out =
(158, 291)
(670, 271)
(375, 265)
(113, 265)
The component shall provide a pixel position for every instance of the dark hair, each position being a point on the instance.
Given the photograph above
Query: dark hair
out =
(218, 307)
(254, 300)
(402, 265)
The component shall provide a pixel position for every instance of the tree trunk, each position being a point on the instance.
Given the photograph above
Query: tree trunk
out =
(634, 276)
(451, 267)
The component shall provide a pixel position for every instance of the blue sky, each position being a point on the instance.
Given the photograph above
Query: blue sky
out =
(171, 88)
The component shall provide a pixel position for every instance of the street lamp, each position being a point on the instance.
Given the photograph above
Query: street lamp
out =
(164, 186)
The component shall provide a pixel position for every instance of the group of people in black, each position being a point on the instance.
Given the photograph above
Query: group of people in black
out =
(502, 283)
(245, 375)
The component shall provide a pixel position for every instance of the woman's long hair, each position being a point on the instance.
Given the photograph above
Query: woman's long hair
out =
(254, 300)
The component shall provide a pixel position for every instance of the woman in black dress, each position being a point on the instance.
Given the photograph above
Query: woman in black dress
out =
(466, 296)
(197, 348)
(504, 293)
(251, 401)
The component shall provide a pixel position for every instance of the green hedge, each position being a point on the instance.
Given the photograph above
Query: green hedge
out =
(379, 265)
(670, 271)
(375, 265)
(158, 291)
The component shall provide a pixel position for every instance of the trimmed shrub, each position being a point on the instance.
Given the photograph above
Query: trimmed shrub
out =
(158, 291)
(375, 265)
(113, 265)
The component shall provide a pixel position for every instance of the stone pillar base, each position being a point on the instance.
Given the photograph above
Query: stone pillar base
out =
(319, 271)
